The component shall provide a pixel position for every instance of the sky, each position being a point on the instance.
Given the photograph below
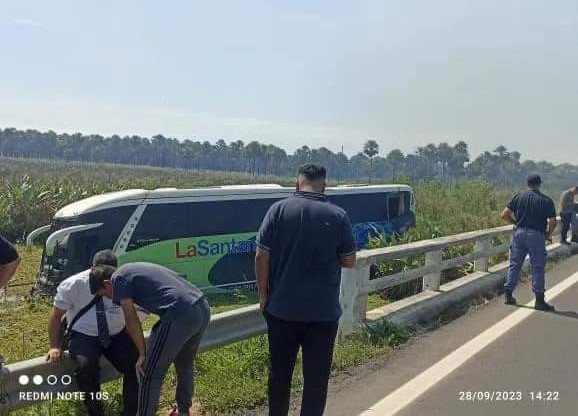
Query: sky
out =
(293, 72)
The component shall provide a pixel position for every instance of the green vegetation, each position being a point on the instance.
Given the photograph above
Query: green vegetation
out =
(31, 191)
(29, 201)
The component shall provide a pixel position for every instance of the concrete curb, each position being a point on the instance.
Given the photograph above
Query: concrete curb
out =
(427, 308)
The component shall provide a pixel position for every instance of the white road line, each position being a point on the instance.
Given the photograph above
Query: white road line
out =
(410, 391)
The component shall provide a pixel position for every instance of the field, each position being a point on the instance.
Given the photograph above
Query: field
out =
(30, 192)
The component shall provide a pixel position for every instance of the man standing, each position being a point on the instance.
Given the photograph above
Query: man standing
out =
(184, 316)
(568, 212)
(100, 331)
(302, 243)
(9, 261)
(534, 217)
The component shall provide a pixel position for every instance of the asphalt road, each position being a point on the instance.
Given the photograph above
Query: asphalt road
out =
(495, 360)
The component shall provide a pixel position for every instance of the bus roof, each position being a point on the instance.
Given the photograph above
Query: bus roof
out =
(138, 196)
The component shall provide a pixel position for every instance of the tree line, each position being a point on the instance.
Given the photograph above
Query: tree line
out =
(443, 161)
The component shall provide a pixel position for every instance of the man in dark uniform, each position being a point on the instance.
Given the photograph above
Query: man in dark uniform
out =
(302, 244)
(9, 261)
(534, 217)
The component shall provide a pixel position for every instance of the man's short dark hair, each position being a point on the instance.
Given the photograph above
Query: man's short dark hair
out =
(312, 172)
(534, 180)
(106, 257)
(98, 275)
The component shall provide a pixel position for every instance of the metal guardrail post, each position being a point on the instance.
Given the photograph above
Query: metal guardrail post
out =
(481, 264)
(432, 281)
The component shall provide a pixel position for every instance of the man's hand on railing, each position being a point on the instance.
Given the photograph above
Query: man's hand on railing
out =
(54, 355)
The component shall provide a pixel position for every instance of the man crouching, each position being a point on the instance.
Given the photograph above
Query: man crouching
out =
(97, 329)
(184, 316)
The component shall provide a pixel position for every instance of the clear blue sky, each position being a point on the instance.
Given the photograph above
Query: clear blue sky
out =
(297, 72)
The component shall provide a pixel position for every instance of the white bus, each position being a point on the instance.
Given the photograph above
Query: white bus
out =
(206, 235)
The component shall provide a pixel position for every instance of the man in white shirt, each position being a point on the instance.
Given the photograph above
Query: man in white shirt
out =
(100, 331)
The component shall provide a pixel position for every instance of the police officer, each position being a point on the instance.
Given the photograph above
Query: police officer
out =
(534, 217)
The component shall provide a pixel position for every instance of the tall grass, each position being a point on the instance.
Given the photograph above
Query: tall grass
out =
(31, 191)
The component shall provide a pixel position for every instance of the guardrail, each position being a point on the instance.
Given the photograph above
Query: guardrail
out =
(233, 326)
(18, 386)
(356, 283)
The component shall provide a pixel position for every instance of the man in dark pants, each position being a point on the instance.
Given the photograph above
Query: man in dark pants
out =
(9, 261)
(100, 331)
(302, 243)
(534, 217)
(184, 316)
(568, 212)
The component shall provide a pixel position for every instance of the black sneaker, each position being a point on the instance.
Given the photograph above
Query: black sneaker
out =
(541, 305)
(509, 299)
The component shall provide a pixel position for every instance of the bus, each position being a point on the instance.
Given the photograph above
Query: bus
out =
(206, 235)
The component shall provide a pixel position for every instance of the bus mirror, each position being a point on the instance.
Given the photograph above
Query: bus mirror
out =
(34, 234)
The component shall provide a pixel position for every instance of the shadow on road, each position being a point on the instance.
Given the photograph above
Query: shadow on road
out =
(567, 314)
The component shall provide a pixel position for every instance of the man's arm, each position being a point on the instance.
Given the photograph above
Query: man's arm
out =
(54, 322)
(134, 329)
(346, 249)
(7, 271)
(262, 272)
(9, 261)
(348, 261)
(265, 243)
(552, 223)
(508, 215)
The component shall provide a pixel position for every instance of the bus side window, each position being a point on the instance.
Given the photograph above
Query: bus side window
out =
(407, 196)
(362, 208)
(393, 206)
(159, 222)
(162, 222)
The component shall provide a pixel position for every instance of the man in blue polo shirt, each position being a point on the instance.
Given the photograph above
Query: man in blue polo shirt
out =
(303, 242)
(534, 217)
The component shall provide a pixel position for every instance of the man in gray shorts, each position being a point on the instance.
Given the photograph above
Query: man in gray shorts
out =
(184, 316)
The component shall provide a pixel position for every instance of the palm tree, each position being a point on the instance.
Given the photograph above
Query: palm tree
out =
(370, 149)
(395, 159)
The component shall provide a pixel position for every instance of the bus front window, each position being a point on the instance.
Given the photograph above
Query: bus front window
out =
(56, 259)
